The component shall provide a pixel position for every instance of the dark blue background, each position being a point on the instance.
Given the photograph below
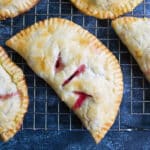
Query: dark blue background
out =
(77, 141)
(49, 124)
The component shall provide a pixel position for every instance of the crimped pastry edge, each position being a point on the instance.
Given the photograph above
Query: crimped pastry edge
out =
(105, 14)
(18, 78)
(22, 9)
(97, 45)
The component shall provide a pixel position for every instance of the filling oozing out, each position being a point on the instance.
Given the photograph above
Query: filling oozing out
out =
(80, 70)
(80, 100)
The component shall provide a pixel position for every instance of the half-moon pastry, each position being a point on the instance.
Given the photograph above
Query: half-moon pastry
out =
(13, 97)
(82, 71)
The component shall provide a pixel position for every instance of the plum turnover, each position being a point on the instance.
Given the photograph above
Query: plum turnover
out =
(13, 97)
(82, 71)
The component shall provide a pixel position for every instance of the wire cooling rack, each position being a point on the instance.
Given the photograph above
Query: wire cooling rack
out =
(46, 111)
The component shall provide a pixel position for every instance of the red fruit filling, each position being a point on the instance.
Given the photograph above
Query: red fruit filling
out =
(147, 72)
(80, 70)
(80, 100)
(6, 96)
(59, 64)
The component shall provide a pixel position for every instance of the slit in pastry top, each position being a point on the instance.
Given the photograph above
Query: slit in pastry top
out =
(59, 64)
(80, 70)
(80, 100)
(7, 96)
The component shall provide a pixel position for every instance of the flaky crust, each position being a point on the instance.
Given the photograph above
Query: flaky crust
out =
(136, 40)
(18, 78)
(119, 8)
(19, 8)
(18, 41)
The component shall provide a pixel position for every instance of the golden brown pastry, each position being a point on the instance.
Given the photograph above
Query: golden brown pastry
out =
(82, 71)
(13, 8)
(104, 9)
(13, 97)
(134, 32)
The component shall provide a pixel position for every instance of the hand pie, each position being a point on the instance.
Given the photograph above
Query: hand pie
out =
(134, 32)
(13, 97)
(104, 9)
(13, 8)
(82, 71)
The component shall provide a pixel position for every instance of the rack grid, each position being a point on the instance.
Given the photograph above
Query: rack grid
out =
(46, 111)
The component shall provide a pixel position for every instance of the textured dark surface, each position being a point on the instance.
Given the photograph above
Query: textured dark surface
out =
(49, 124)
(47, 140)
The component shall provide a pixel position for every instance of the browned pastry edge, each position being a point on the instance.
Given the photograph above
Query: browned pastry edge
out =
(105, 14)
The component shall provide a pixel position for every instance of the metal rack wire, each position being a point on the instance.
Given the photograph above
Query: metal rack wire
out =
(46, 111)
